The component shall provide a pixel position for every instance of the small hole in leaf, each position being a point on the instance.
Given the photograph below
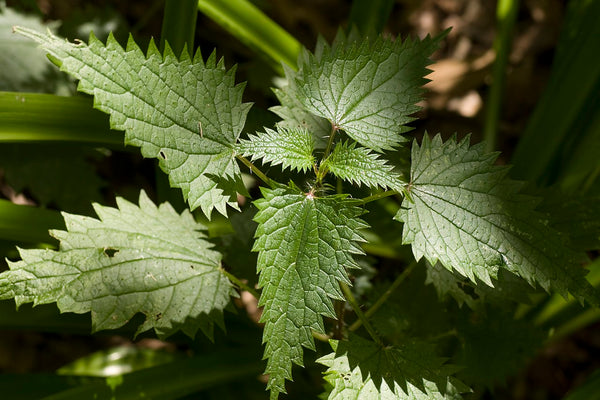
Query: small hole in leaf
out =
(162, 155)
(191, 266)
(110, 252)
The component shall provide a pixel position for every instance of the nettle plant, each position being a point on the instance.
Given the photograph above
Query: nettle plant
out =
(344, 113)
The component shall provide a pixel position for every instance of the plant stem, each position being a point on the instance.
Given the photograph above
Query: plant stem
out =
(320, 336)
(253, 169)
(361, 316)
(451, 332)
(370, 16)
(322, 171)
(334, 129)
(378, 196)
(179, 25)
(178, 30)
(506, 13)
(240, 284)
(401, 278)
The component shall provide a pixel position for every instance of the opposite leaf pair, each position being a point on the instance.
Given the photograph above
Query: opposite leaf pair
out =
(459, 208)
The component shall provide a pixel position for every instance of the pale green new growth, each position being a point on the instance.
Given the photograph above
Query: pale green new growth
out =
(463, 211)
(369, 89)
(305, 244)
(144, 259)
(347, 103)
(359, 369)
(361, 166)
(184, 112)
(292, 148)
(296, 117)
(22, 66)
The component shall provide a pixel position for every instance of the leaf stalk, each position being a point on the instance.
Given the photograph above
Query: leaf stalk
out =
(378, 196)
(361, 316)
(253, 169)
(240, 283)
(380, 301)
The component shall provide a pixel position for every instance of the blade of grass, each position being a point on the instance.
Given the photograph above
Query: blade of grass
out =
(556, 309)
(588, 390)
(171, 381)
(255, 29)
(370, 15)
(577, 323)
(179, 25)
(506, 15)
(32, 117)
(43, 318)
(28, 224)
(37, 386)
(579, 163)
(563, 109)
(178, 29)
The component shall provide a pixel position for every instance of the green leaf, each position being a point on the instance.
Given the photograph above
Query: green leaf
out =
(369, 89)
(170, 381)
(361, 167)
(35, 386)
(144, 259)
(304, 243)
(184, 112)
(463, 211)
(448, 283)
(250, 25)
(413, 310)
(508, 288)
(23, 67)
(494, 345)
(567, 117)
(116, 361)
(292, 148)
(294, 116)
(370, 15)
(578, 217)
(179, 25)
(27, 223)
(587, 390)
(32, 117)
(360, 369)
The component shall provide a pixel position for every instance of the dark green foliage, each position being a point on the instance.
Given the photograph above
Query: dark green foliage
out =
(384, 325)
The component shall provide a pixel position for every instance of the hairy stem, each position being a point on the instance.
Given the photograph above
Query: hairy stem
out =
(255, 170)
(320, 336)
(378, 196)
(401, 278)
(321, 172)
(334, 129)
(361, 316)
(338, 329)
(507, 11)
(443, 335)
(240, 284)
